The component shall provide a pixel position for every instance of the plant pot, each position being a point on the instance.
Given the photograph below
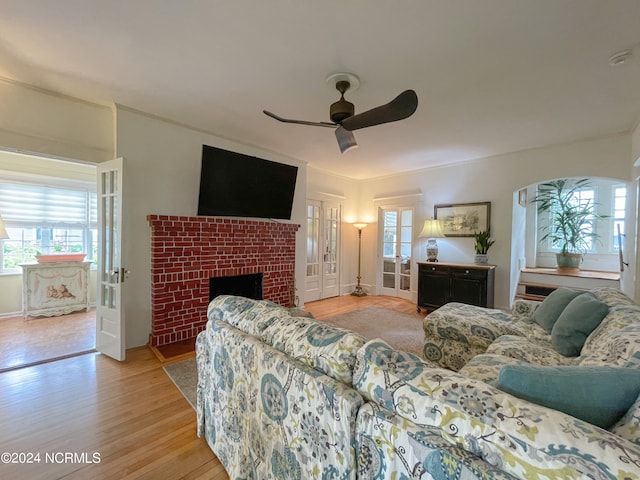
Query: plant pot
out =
(568, 261)
(61, 257)
(481, 259)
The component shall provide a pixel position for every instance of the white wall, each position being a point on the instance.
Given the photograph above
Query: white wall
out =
(493, 179)
(33, 120)
(162, 176)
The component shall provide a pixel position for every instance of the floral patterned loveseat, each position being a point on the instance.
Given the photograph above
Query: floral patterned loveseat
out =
(457, 332)
(285, 397)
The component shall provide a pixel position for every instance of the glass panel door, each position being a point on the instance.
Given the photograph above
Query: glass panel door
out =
(323, 243)
(397, 238)
(330, 282)
(312, 280)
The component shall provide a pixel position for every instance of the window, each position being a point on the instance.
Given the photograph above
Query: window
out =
(46, 219)
(608, 200)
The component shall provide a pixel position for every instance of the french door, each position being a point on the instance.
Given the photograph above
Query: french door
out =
(111, 274)
(323, 242)
(396, 243)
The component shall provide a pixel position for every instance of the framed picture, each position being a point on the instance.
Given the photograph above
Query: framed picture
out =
(463, 219)
(522, 197)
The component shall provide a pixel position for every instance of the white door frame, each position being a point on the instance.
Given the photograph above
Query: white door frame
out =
(110, 272)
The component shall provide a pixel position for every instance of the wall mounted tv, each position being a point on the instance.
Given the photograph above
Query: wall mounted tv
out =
(237, 185)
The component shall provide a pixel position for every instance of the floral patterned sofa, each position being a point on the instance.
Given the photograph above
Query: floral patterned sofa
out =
(285, 397)
(456, 333)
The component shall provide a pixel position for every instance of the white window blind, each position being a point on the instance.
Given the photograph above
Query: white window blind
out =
(48, 218)
(28, 204)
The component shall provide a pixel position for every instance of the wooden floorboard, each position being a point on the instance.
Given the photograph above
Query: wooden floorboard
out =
(129, 414)
(32, 340)
(323, 309)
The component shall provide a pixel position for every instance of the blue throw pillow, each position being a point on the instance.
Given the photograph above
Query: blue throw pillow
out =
(576, 322)
(550, 309)
(599, 395)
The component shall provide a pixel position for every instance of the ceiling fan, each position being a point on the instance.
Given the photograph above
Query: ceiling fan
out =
(343, 117)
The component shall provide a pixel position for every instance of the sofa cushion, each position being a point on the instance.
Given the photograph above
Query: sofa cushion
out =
(538, 352)
(629, 426)
(616, 340)
(325, 347)
(598, 395)
(552, 306)
(613, 297)
(486, 367)
(390, 447)
(250, 316)
(521, 438)
(576, 322)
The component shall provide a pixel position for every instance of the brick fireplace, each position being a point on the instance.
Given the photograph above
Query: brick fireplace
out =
(186, 252)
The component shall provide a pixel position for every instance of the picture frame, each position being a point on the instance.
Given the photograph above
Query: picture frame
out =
(463, 219)
(522, 197)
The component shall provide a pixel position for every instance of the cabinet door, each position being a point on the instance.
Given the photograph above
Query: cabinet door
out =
(434, 286)
(469, 286)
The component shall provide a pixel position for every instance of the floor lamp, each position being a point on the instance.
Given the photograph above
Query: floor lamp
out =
(359, 292)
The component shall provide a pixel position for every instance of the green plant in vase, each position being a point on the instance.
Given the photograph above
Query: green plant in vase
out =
(482, 245)
(571, 223)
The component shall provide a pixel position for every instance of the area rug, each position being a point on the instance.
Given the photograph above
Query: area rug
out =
(185, 376)
(400, 330)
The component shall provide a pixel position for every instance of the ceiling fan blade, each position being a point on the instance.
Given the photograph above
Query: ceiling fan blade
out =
(346, 140)
(399, 108)
(300, 122)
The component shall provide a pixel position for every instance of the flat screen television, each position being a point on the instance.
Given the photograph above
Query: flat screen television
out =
(237, 185)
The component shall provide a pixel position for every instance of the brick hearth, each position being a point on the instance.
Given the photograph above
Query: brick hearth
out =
(187, 251)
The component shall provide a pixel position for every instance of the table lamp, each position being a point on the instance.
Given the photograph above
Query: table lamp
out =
(431, 231)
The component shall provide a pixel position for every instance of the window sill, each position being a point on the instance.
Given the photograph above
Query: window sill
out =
(595, 274)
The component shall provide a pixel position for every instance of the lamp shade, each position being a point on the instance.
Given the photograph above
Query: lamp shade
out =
(346, 140)
(359, 226)
(3, 230)
(431, 229)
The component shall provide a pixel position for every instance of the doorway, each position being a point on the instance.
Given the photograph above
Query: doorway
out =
(397, 246)
(53, 214)
(323, 250)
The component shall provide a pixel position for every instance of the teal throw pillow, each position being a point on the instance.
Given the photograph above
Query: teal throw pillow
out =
(599, 395)
(576, 322)
(550, 309)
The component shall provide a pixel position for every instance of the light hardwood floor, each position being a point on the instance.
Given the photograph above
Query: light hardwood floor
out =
(38, 339)
(128, 413)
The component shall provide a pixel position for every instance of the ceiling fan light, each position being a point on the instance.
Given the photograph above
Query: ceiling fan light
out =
(346, 140)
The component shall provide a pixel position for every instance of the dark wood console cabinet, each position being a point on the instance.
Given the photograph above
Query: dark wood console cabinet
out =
(440, 283)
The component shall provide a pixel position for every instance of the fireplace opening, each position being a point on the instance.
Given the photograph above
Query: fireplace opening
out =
(249, 286)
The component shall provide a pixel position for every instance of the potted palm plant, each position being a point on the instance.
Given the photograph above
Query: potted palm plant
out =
(483, 243)
(571, 224)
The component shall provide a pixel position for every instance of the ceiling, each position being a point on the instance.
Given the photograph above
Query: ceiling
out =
(492, 76)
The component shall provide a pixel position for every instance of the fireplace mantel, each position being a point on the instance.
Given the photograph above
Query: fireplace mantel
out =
(187, 251)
